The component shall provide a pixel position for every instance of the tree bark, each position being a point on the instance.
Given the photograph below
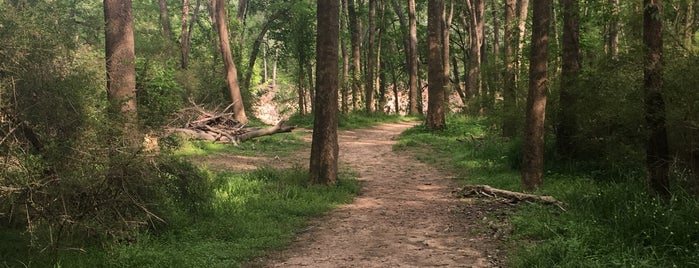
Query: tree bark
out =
(523, 9)
(571, 65)
(413, 89)
(355, 29)
(533, 159)
(345, 60)
(371, 62)
(165, 20)
(120, 57)
(476, 26)
(231, 71)
(186, 32)
(509, 124)
(324, 147)
(435, 118)
(657, 152)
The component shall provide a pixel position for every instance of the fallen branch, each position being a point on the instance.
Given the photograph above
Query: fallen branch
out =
(485, 190)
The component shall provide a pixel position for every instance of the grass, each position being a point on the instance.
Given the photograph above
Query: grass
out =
(609, 221)
(281, 144)
(352, 120)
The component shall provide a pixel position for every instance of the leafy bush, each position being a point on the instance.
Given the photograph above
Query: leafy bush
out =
(159, 94)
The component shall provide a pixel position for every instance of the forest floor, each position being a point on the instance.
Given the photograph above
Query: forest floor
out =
(404, 216)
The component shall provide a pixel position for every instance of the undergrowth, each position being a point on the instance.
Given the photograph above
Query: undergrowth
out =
(352, 120)
(609, 219)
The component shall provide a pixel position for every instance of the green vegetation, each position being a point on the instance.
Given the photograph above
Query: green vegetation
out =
(609, 218)
(281, 144)
(246, 214)
(353, 120)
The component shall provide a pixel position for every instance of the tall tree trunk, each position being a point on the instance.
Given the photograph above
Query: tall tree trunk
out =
(239, 36)
(571, 65)
(446, 35)
(413, 87)
(345, 60)
(457, 81)
(381, 79)
(301, 90)
(509, 124)
(274, 68)
(324, 147)
(688, 31)
(613, 41)
(657, 153)
(496, 52)
(120, 56)
(231, 72)
(435, 118)
(523, 9)
(355, 29)
(533, 158)
(311, 87)
(371, 62)
(476, 26)
(165, 20)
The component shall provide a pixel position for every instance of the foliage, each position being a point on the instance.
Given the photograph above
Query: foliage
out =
(159, 94)
(609, 220)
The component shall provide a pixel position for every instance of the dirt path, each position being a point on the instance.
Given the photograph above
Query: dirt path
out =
(404, 216)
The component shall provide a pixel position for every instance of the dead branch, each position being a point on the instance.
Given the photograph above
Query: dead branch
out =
(485, 190)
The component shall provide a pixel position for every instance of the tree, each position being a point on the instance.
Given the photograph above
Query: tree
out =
(165, 20)
(355, 29)
(613, 38)
(533, 159)
(571, 65)
(371, 63)
(324, 147)
(509, 124)
(435, 118)
(120, 55)
(476, 28)
(413, 60)
(657, 152)
(231, 71)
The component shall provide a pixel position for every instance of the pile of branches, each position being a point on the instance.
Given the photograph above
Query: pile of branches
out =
(221, 126)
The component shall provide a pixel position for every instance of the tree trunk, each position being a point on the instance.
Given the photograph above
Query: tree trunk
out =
(476, 26)
(523, 9)
(657, 153)
(165, 20)
(311, 87)
(509, 124)
(120, 56)
(371, 61)
(413, 87)
(345, 60)
(231, 72)
(324, 147)
(457, 81)
(355, 29)
(435, 118)
(613, 41)
(571, 65)
(496, 53)
(533, 159)
(300, 88)
(446, 35)
(186, 32)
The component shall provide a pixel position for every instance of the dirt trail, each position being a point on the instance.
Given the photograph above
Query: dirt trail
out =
(404, 216)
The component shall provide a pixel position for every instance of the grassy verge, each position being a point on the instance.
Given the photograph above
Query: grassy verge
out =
(233, 219)
(609, 221)
(352, 120)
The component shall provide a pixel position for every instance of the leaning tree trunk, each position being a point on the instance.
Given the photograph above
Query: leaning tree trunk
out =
(231, 71)
(256, 49)
(324, 147)
(657, 152)
(533, 159)
(435, 118)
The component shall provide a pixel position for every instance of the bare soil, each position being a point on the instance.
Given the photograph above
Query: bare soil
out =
(404, 216)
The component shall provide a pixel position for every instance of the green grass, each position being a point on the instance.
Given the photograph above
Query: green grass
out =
(281, 144)
(248, 215)
(352, 120)
(609, 221)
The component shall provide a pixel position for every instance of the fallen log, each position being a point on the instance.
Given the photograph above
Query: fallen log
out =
(277, 128)
(485, 190)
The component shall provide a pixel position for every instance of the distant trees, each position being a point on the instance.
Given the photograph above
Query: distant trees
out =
(571, 66)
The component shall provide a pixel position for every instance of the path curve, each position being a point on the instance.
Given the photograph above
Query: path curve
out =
(403, 217)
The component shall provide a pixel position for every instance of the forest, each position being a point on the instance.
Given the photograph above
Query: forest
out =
(207, 133)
